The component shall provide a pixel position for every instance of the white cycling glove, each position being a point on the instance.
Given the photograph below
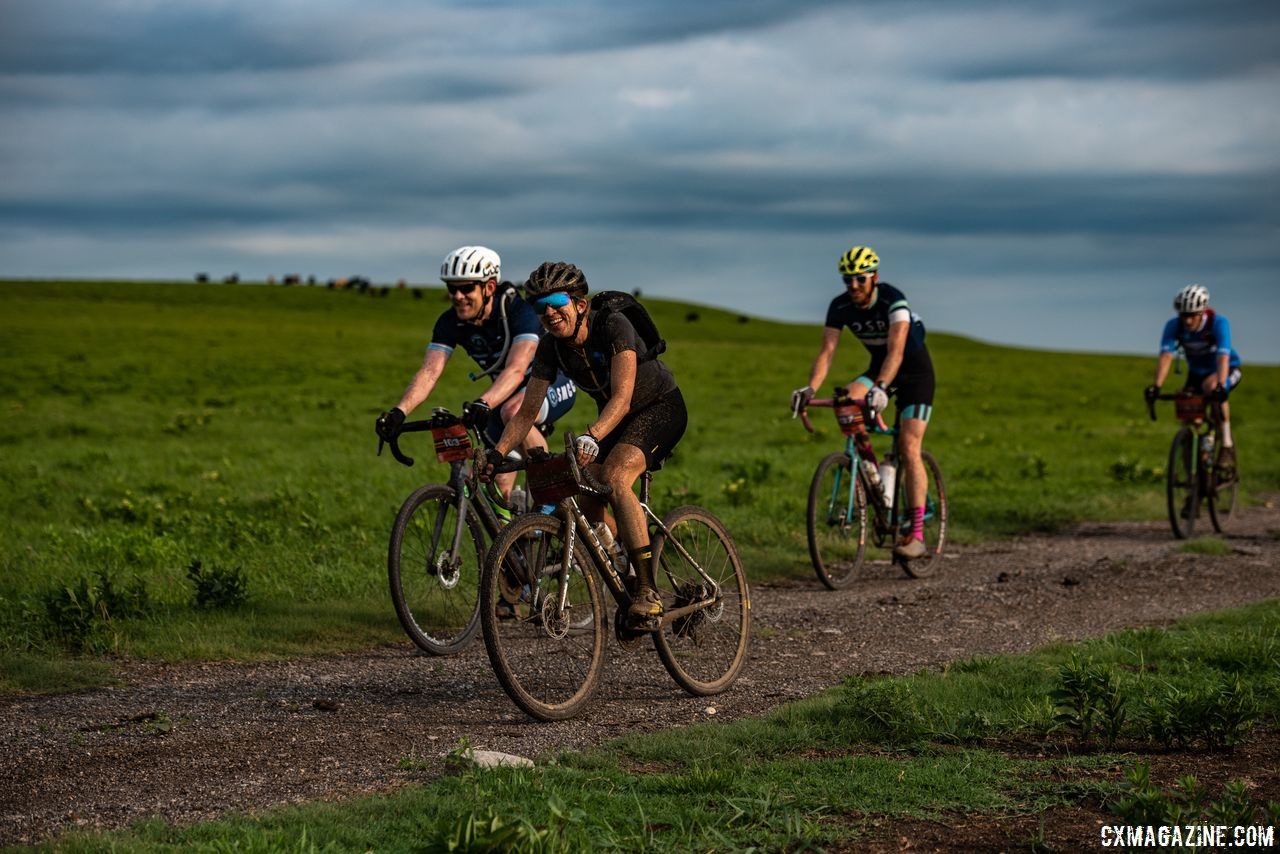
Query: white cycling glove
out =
(800, 399)
(877, 399)
(588, 448)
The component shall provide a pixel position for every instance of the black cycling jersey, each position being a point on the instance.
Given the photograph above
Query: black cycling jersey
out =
(589, 367)
(870, 325)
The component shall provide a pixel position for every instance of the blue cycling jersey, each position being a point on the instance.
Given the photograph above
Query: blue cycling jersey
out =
(1202, 346)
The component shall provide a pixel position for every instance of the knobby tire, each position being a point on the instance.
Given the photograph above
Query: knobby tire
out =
(549, 662)
(703, 651)
(439, 611)
(837, 537)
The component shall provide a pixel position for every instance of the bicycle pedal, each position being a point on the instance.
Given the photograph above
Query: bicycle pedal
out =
(644, 625)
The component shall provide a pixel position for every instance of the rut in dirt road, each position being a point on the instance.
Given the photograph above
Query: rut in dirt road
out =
(195, 741)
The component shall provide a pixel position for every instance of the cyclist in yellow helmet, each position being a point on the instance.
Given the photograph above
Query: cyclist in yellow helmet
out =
(878, 315)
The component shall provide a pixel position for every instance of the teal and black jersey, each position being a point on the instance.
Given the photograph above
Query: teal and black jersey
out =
(870, 325)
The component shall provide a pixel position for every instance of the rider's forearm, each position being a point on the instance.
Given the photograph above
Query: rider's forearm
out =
(503, 387)
(520, 424)
(821, 366)
(895, 347)
(1162, 368)
(421, 386)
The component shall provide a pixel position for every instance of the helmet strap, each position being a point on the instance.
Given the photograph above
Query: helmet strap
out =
(582, 316)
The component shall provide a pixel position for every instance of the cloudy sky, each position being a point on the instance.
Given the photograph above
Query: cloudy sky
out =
(1035, 173)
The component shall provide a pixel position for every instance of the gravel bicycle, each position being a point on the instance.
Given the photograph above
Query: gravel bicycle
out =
(1193, 478)
(438, 540)
(848, 483)
(548, 650)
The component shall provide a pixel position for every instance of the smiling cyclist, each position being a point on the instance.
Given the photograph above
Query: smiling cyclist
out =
(641, 410)
(878, 315)
(500, 332)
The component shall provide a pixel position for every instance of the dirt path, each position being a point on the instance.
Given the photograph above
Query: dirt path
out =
(191, 742)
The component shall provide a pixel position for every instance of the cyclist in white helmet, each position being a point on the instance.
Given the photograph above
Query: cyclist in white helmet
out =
(488, 319)
(1213, 365)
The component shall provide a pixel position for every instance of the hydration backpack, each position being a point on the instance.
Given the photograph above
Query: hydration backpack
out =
(606, 302)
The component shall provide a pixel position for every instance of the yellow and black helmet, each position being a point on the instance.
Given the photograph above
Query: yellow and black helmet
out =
(859, 259)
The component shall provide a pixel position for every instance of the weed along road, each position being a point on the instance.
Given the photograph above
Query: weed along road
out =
(192, 742)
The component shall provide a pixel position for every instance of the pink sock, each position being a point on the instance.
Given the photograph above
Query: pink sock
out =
(917, 523)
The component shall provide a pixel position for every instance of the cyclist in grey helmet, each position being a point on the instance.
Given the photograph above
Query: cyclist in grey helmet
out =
(641, 410)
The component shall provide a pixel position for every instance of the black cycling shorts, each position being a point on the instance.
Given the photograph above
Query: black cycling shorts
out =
(912, 391)
(655, 430)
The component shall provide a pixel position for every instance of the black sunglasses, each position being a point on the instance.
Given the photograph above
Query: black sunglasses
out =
(461, 287)
(862, 277)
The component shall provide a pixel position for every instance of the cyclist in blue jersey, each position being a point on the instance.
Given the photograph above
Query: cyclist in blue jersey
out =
(1213, 365)
(500, 332)
(878, 315)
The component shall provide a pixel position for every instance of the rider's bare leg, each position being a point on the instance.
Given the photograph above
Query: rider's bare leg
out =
(911, 464)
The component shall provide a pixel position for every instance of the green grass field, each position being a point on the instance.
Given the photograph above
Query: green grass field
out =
(149, 426)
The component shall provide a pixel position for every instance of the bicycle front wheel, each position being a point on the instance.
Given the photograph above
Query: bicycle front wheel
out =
(935, 521)
(703, 650)
(836, 521)
(1183, 484)
(547, 649)
(1223, 495)
(435, 587)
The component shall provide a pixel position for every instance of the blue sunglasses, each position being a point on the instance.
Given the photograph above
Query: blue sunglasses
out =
(557, 300)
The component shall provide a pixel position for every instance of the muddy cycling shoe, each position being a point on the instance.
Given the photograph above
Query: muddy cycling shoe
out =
(645, 609)
(1226, 463)
(910, 548)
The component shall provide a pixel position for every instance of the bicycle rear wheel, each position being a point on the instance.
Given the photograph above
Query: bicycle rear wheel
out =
(548, 658)
(935, 521)
(1183, 484)
(703, 650)
(1222, 498)
(435, 590)
(836, 521)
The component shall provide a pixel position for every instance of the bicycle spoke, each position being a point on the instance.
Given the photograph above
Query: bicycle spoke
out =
(836, 522)
(546, 651)
(702, 650)
(435, 590)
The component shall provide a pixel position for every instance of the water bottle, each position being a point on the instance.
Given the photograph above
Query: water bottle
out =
(888, 473)
(612, 548)
(519, 500)
(873, 475)
(1206, 446)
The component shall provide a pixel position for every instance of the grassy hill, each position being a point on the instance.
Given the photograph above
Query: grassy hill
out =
(151, 426)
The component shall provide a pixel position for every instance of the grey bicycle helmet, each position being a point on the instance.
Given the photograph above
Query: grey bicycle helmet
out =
(553, 277)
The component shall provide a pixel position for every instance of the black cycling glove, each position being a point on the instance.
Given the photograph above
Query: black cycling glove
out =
(389, 423)
(476, 414)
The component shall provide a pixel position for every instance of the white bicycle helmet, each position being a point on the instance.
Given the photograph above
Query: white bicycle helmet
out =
(1191, 299)
(471, 264)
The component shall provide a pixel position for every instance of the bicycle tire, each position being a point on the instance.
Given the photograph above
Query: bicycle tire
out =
(1222, 498)
(703, 651)
(439, 610)
(549, 664)
(1183, 483)
(837, 534)
(935, 522)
